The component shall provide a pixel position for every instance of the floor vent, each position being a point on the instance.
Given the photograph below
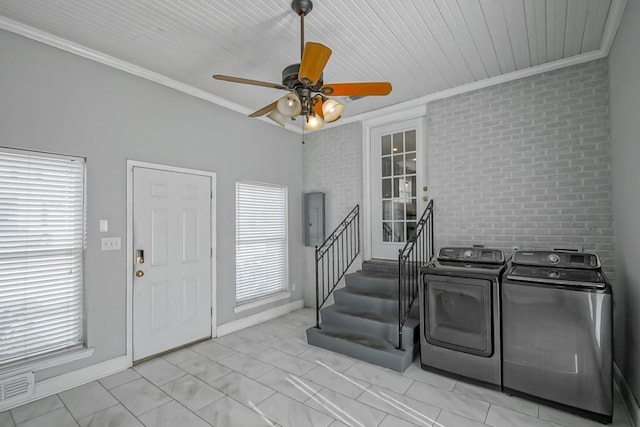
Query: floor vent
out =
(18, 386)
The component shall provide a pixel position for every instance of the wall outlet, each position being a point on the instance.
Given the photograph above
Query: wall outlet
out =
(111, 243)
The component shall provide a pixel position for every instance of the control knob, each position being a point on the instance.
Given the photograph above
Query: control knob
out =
(553, 258)
(553, 275)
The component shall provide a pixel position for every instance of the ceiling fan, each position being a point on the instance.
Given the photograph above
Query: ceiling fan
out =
(308, 94)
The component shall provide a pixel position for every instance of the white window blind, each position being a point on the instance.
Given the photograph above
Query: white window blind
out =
(42, 235)
(261, 240)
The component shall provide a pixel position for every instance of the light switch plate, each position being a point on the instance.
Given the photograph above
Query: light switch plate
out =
(111, 243)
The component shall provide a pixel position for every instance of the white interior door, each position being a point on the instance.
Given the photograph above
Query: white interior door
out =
(397, 184)
(172, 283)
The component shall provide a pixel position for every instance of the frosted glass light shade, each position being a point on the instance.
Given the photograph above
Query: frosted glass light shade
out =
(277, 117)
(332, 110)
(289, 105)
(313, 123)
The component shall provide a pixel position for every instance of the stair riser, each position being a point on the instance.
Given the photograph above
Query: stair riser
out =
(368, 326)
(371, 355)
(367, 303)
(373, 283)
(382, 284)
(375, 267)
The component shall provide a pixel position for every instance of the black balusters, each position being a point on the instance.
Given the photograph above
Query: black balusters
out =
(416, 253)
(335, 256)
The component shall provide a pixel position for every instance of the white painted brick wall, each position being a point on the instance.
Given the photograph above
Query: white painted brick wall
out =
(332, 165)
(525, 163)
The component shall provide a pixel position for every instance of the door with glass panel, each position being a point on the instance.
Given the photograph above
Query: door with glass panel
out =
(398, 187)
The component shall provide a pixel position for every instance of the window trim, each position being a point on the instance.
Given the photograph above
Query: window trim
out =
(280, 294)
(258, 302)
(46, 361)
(81, 350)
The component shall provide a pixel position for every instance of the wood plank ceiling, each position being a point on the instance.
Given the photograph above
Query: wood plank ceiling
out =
(420, 46)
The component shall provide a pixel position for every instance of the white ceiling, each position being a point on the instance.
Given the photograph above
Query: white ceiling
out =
(420, 46)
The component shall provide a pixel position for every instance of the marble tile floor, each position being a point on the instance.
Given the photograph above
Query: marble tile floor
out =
(268, 376)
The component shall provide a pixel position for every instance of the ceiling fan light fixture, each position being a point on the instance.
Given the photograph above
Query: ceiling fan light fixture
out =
(332, 110)
(313, 123)
(277, 117)
(289, 105)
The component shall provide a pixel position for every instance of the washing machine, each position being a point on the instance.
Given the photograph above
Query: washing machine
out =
(460, 313)
(557, 331)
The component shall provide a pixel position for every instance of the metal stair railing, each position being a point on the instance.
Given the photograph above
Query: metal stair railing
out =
(416, 253)
(335, 256)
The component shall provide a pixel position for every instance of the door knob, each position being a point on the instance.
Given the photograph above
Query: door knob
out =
(425, 188)
(139, 273)
(425, 198)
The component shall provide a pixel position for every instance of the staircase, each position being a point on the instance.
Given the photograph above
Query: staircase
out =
(375, 316)
(363, 321)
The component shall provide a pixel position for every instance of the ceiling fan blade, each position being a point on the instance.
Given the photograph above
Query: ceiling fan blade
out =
(357, 89)
(314, 59)
(248, 81)
(264, 110)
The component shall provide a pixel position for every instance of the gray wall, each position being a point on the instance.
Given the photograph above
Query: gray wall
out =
(624, 72)
(332, 165)
(525, 163)
(58, 102)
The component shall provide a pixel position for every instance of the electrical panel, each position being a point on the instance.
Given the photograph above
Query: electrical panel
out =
(313, 219)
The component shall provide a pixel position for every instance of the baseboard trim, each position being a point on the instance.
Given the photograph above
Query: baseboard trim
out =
(633, 409)
(70, 380)
(245, 322)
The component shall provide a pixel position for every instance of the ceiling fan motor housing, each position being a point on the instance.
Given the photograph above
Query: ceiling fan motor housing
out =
(290, 79)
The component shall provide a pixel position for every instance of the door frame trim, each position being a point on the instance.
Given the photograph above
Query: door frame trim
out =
(129, 294)
(367, 126)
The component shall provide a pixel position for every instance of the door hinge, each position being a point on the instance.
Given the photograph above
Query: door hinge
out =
(212, 195)
(211, 252)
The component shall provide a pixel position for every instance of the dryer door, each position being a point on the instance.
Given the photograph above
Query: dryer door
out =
(458, 314)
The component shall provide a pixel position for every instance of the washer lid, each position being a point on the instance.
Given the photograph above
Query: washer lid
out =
(557, 276)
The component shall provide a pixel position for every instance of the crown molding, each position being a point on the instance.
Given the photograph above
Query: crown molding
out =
(611, 26)
(608, 36)
(480, 84)
(127, 67)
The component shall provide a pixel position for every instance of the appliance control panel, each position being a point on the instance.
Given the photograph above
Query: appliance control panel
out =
(471, 254)
(561, 259)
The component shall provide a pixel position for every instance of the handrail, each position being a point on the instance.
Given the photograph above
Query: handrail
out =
(416, 252)
(334, 257)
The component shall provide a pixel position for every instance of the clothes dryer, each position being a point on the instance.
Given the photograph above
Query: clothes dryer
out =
(460, 313)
